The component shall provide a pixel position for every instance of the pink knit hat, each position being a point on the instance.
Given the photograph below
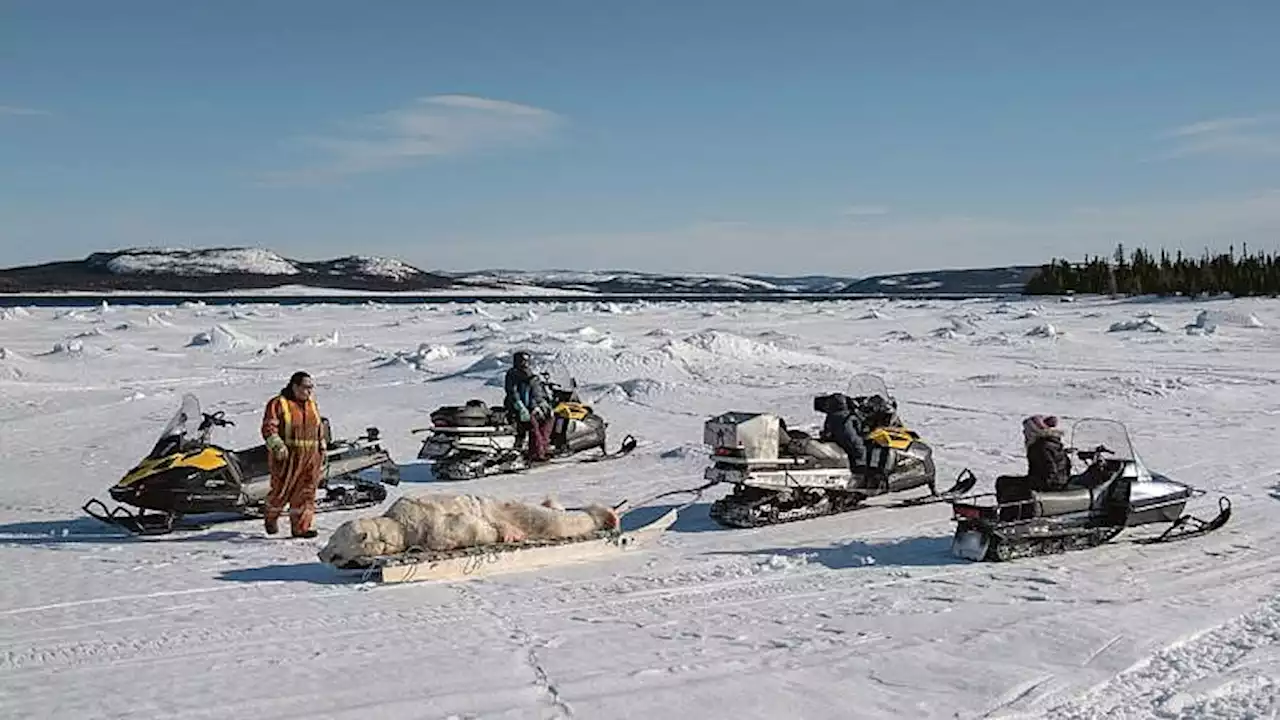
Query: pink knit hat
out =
(1038, 426)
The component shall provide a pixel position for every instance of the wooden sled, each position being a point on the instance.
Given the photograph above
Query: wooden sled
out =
(513, 557)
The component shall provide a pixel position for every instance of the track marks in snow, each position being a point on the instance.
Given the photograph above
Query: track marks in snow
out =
(1227, 672)
(527, 645)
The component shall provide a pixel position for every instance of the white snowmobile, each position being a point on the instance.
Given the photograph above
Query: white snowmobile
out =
(1115, 491)
(782, 475)
(475, 439)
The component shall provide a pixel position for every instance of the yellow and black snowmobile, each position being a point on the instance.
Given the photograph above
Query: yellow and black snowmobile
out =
(186, 475)
(477, 440)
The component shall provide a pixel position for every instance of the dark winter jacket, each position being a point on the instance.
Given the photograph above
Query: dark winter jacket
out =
(525, 390)
(844, 426)
(1048, 465)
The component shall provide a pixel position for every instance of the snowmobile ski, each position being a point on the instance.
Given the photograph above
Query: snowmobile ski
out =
(487, 560)
(1115, 492)
(965, 482)
(187, 475)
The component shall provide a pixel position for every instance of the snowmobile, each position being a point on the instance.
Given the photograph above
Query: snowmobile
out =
(476, 439)
(1116, 491)
(782, 475)
(185, 475)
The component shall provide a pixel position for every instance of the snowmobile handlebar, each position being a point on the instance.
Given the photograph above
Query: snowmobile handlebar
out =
(1096, 453)
(217, 419)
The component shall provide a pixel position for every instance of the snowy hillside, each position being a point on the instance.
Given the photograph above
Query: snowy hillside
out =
(860, 615)
(637, 282)
(217, 270)
(254, 269)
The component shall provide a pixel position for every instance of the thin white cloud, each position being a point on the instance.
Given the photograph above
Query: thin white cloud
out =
(21, 111)
(435, 126)
(1257, 136)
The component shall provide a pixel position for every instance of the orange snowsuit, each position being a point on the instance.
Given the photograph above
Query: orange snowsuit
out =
(295, 479)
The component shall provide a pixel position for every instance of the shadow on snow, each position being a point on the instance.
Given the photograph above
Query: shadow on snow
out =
(909, 552)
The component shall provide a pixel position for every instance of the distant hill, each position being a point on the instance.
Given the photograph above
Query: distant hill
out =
(222, 270)
(947, 282)
(215, 270)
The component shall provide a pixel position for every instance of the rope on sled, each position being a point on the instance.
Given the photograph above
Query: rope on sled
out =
(696, 491)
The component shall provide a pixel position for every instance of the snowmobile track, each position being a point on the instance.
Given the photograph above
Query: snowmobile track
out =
(1206, 675)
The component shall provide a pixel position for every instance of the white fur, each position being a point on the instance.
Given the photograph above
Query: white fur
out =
(446, 522)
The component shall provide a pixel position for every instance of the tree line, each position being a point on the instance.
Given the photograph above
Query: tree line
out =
(1142, 273)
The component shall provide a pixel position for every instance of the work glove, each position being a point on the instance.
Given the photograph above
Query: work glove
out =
(277, 447)
(523, 412)
(540, 411)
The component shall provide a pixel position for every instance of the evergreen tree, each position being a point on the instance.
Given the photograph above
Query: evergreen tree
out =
(1140, 271)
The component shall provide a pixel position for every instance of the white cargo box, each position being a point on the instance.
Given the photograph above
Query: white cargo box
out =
(756, 434)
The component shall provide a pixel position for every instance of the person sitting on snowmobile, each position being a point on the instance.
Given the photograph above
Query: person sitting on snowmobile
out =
(843, 426)
(294, 435)
(1048, 466)
(529, 402)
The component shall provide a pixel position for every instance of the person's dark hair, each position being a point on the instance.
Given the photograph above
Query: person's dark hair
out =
(294, 379)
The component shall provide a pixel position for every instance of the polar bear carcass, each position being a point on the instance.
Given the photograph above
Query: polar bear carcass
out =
(438, 522)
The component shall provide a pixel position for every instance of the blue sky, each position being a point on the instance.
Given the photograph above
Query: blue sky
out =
(834, 136)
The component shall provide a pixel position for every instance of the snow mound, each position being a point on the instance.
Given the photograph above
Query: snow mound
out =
(1044, 331)
(218, 261)
(873, 314)
(1141, 325)
(726, 344)
(489, 328)
(311, 340)
(960, 325)
(13, 313)
(156, 320)
(224, 339)
(1209, 320)
(659, 332)
(419, 359)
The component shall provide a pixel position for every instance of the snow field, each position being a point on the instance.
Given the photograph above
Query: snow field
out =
(860, 615)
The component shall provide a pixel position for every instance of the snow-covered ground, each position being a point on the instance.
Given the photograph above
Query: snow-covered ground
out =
(863, 615)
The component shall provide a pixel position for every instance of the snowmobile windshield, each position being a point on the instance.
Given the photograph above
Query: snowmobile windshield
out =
(867, 385)
(179, 428)
(560, 380)
(876, 405)
(1091, 434)
(1112, 437)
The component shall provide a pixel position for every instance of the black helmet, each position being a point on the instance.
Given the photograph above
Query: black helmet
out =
(521, 359)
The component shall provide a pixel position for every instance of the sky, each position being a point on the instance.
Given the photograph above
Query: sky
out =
(842, 137)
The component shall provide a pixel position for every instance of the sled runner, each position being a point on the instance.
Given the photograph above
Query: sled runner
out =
(186, 474)
(783, 475)
(486, 560)
(1115, 492)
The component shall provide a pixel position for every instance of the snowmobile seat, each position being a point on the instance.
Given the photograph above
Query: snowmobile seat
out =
(824, 452)
(1062, 502)
(475, 413)
(251, 462)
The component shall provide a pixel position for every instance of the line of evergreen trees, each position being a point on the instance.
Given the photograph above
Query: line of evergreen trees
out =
(1142, 273)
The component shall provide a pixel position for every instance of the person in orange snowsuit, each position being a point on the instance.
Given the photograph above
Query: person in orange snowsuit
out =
(295, 455)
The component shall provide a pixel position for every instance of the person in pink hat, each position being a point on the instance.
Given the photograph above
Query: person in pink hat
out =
(1048, 464)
